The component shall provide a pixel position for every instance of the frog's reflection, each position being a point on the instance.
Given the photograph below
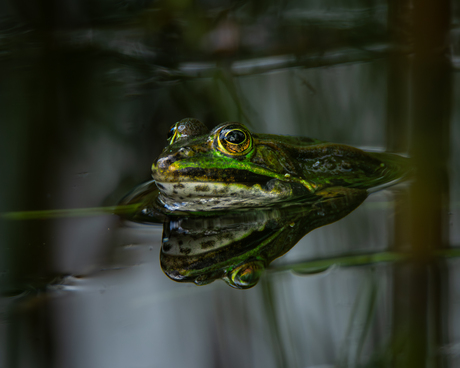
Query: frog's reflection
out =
(238, 245)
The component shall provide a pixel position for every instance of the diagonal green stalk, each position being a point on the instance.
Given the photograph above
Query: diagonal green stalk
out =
(74, 212)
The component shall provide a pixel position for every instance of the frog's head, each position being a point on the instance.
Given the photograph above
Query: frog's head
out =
(226, 167)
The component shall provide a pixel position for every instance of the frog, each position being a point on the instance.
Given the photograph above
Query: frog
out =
(230, 167)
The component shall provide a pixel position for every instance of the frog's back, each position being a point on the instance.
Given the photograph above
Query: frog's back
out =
(325, 164)
(286, 140)
(339, 165)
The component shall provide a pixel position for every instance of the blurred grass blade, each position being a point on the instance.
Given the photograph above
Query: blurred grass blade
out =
(74, 212)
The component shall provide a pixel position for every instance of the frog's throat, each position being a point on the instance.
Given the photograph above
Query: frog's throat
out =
(205, 196)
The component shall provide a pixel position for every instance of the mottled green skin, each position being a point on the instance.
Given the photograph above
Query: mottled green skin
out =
(303, 165)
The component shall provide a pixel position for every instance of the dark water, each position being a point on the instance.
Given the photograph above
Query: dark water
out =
(88, 91)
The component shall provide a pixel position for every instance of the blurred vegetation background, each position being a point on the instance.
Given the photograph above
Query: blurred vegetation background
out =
(88, 91)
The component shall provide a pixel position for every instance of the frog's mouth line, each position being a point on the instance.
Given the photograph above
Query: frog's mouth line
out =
(226, 176)
(210, 174)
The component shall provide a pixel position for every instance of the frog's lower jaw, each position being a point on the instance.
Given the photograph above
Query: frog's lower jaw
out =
(206, 196)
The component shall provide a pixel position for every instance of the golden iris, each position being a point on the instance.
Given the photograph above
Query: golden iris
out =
(234, 140)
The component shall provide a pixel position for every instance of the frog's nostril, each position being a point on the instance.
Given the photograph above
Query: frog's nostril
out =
(164, 163)
(186, 152)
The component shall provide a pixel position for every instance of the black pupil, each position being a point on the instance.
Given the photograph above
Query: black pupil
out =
(171, 132)
(235, 137)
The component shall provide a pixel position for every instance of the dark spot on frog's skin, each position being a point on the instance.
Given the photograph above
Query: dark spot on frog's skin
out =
(175, 191)
(346, 166)
(221, 191)
(202, 188)
(225, 236)
(179, 186)
(185, 250)
(166, 247)
(181, 242)
(160, 186)
(189, 195)
(208, 244)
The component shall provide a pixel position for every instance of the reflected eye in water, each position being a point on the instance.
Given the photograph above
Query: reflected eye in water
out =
(246, 275)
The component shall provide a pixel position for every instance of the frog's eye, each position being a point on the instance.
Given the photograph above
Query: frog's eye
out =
(172, 134)
(186, 128)
(234, 140)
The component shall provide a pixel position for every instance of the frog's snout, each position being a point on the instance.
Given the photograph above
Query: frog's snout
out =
(163, 164)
